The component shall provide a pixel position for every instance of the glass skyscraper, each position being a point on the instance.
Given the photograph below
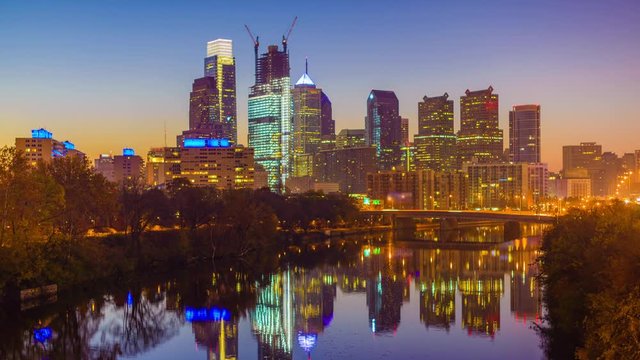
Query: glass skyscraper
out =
(204, 107)
(220, 64)
(524, 134)
(383, 127)
(327, 124)
(435, 142)
(312, 124)
(479, 138)
(307, 121)
(270, 109)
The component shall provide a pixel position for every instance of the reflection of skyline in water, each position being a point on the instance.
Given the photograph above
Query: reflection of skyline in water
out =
(290, 311)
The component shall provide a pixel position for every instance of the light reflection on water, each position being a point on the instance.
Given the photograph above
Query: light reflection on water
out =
(387, 301)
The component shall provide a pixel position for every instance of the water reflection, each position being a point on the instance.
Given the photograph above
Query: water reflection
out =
(298, 312)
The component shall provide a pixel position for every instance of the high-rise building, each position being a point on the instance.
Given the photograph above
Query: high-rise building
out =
(383, 127)
(585, 161)
(348, 138)
(104, 166)
(327, 124)
(442, 190)
(204, 107)
(395, 189)
(498, 185)
(524, 134)
(221, 65)
(436, 141)
(404, 131)
(407, 158)
(163, 165)
(307, 122)
(348, 167)
(270, 108)
(479, 138)
(41, 146)
(128, 166)
(538, 182)
(217, 163)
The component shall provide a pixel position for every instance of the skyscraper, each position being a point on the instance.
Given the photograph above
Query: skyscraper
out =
(327, 124)
(221, 65)
(270, 108)
(436, 141)
(524, 133)
(585, 161)
(479, 138)
(383, 127)
(204, 107)
(349, 138)
(307, 122)
(404, 131)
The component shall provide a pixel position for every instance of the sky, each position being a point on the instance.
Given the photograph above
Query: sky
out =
(112, 74)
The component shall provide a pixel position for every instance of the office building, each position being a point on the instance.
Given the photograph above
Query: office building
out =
(524, 134)
(348, 138)
(585, 161)
(103, 165)
(163, 165)
(128, 167)
(498, 185)
(217, 163)
(270, 108)
(480, 138)
(538, 183)
(220, 64)
(383, 127)
(41, 146)
(404, 131)
(435, 142)
(327, 123)
(308, 120)
(348, 167)
(395, 189)
(407, 158)
(442, 190)
(572, 188)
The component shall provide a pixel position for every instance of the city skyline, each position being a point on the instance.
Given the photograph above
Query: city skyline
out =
(596, 47)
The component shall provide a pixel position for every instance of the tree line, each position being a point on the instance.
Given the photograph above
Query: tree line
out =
(591, 277)
(48, 210)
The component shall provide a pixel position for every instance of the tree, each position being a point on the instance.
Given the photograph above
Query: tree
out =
(245, 223)
(88, 197)
(591, 273)
(29, 200)
(195, 206)
(139, 209)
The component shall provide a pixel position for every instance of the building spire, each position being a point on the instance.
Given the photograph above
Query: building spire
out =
(305, 80)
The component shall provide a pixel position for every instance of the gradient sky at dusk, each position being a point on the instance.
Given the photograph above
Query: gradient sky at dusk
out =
(110, 74)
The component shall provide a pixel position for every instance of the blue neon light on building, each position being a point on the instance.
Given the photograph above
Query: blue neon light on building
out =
(128, 152)
(69, 145)
(41, 134)
(207, 314)
(206, 143)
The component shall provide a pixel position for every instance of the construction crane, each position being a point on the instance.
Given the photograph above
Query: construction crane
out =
(286, 38)
(256, 45)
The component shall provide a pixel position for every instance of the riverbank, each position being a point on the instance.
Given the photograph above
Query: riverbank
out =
(111, 257)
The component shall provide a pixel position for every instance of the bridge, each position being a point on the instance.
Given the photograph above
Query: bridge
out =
(404, 220)
(521, 216)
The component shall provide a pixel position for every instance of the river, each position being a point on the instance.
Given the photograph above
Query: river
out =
(379, 298)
